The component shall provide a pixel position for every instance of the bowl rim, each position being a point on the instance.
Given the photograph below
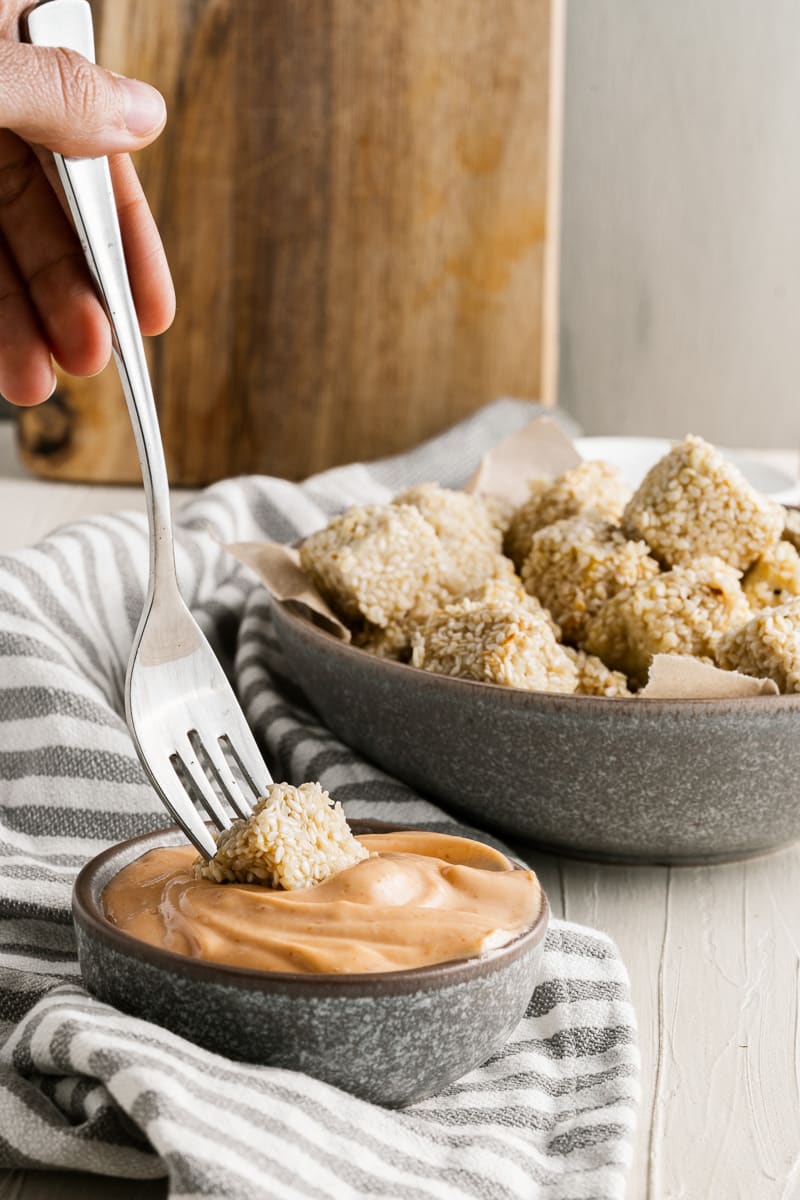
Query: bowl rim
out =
(293, 612)
(88, 914)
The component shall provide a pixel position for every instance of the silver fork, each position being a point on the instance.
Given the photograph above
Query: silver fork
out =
(188, 728)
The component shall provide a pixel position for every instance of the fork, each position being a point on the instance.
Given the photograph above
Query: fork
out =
(186, 723)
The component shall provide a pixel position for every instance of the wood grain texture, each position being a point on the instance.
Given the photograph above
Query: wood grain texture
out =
(354, 199)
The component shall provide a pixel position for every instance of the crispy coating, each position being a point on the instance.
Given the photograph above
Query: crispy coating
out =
(595, 678)
(684, 611)
(591, 488)
(494, 643)
(768, 646)
(576, 565)
(294, 837)
(374, 563)
(693, 504)
(508, 589)
(773, 579)
(470, 542)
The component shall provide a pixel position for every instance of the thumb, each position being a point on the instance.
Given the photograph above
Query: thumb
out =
(58, 99)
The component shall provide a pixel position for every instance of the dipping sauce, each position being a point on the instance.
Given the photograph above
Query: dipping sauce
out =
(423, 898)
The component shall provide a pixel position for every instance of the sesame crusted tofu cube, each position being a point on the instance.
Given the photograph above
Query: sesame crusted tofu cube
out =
(375, 562)
(693, 504)
(684, 611)
(504, 644)
(768, 646)
(591, 488)
(576, 565)
(774, 579)
(294, 837)
(594, 677)
(470, 541)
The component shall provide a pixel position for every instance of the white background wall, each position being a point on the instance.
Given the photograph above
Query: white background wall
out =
(681, 224)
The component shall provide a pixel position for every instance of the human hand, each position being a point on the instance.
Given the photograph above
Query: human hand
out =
(57, 100)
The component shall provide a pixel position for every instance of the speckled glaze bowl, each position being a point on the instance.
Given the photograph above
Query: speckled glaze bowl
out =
(669, 781)
(390, 1037)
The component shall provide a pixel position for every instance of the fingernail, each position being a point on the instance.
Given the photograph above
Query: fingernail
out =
(144, 106)
(52, 391)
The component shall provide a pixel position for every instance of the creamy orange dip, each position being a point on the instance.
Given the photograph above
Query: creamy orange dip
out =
(424, 898)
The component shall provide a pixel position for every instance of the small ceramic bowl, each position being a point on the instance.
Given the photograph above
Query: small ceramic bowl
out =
(390, 1037)
(638, 780)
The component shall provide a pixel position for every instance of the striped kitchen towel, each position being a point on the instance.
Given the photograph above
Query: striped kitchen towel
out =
(84, 1086)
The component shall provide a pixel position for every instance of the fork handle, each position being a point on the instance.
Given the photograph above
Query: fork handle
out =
(90, 196)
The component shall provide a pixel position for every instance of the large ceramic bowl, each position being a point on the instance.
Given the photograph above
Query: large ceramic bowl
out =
(650, 780)
(390, 1037)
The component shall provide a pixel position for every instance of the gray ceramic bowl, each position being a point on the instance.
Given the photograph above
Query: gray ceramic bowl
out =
(393, 1037)
(649, 780)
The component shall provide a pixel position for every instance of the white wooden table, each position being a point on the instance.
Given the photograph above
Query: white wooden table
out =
(713, 954)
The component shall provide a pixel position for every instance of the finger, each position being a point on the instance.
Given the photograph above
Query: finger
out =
(60, 100)
(151, 282)
(26, 372)
(49, 259)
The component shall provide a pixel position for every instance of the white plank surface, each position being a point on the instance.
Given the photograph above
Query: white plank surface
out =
(30, 508)
(714, 959)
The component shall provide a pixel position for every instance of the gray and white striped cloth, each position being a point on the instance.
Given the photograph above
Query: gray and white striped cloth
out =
(84, 1086)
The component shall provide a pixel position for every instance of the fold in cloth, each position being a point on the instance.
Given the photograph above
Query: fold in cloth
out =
(84, 1086)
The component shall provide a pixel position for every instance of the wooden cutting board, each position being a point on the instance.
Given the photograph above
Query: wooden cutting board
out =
(359, 203)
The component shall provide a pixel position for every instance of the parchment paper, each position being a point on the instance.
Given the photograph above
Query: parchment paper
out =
(540, 448)
(681, 677)
(278, 568)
